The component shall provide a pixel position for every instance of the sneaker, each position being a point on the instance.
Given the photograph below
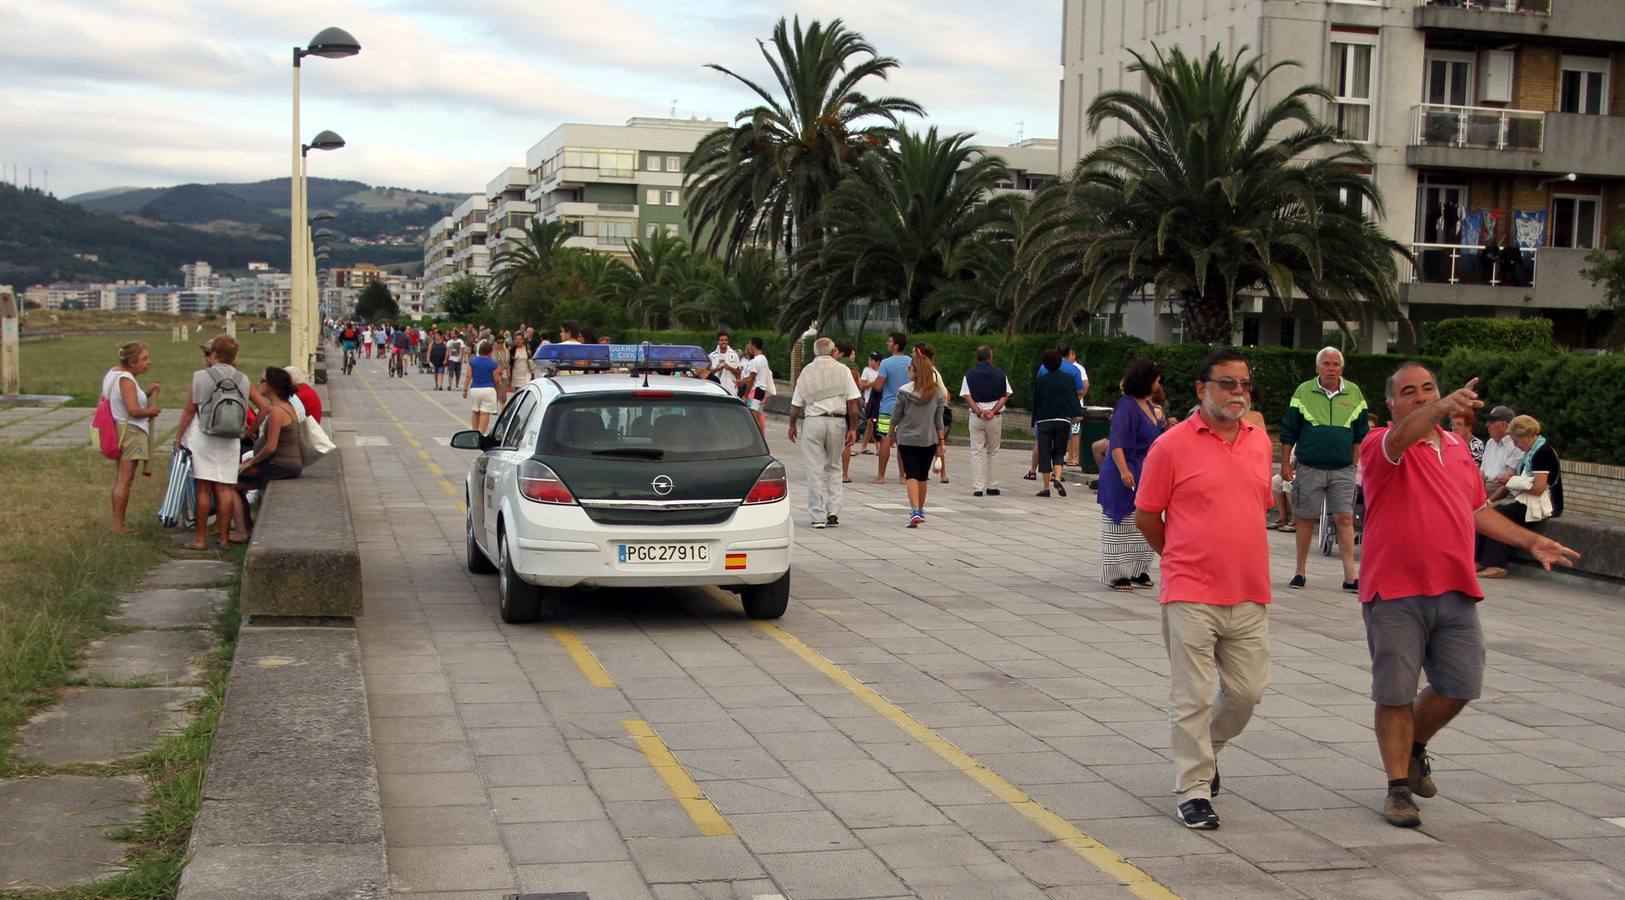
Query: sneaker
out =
(833, 521)
(915, 519)
(1297, 581)
(976, 493)
(1421, 776)
(1399, 808)
(993, 492)
(819, 524)
(1030, 476)
(1199, 814)
(1352, 585)
(1042, 494)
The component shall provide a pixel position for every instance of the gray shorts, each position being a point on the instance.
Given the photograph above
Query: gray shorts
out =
(1310, 487)
(1439, 635)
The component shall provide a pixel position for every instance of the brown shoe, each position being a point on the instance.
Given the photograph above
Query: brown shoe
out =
(1493, 572)
(1421, 776)
(1399, 808)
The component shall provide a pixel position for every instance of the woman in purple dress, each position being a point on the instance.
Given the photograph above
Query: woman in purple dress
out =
(1125, 557)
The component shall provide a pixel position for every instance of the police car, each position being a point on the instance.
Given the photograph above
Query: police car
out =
(619, 469)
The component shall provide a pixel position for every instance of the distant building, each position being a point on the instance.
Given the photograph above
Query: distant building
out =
(263, 292)
(1034, 164)
(199, 275)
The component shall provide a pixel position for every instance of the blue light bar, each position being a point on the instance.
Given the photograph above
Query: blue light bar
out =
(635, 357)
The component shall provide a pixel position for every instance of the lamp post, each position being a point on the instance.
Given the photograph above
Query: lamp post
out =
(329, 43)
(324, 140)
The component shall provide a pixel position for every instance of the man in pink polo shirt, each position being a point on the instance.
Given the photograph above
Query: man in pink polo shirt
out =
(1202, 490)
(1424, 499)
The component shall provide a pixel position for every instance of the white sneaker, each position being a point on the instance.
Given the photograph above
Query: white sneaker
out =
(820, 524)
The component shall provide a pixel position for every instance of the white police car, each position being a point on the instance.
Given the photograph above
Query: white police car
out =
(628, 473)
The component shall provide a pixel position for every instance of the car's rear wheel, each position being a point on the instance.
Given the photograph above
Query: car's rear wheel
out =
(767, 601)
(478, 562)
(519, 602)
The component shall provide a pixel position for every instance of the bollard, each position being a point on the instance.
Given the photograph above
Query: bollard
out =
(10, 364)
(186, 333)
(273, 326)
(231, 325)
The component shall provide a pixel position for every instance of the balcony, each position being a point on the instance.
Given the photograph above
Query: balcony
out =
(1518, 141)
(1477, 21)
(1461, 275)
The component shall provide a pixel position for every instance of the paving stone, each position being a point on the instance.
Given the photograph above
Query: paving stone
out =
(168, 608)
(51, 829)
(91, 725)
(160, 658)
(581, 841)
(693, 858)
(184, 573)
(414, 869)
(793, 832)
(833, 874)
(618, 880)
(440, 826)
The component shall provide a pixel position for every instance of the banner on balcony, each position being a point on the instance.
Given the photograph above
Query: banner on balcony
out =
(1529, 227)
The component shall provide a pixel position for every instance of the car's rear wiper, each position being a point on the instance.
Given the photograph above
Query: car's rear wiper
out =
(636, 452)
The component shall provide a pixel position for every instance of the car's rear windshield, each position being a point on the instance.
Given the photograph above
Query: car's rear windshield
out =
(667, 428)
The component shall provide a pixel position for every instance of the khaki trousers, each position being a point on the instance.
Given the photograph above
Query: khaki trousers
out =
(1231, 641)
(822, 439)
(985, 435)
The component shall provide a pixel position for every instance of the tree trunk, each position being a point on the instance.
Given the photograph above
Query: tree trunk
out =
(1207, 318)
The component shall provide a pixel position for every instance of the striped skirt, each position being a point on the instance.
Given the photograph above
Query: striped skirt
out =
(1123, 550)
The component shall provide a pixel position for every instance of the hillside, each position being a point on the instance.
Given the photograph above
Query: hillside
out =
(43, 239)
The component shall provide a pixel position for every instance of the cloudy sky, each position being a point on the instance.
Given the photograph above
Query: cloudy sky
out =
(156, 92)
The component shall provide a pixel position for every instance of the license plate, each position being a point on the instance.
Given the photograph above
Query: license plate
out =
(663, 554)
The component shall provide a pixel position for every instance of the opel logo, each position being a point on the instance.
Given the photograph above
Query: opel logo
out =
(661, 484)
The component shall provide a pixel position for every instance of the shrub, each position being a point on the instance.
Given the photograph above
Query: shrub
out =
(1485, 333)
(1576, 398)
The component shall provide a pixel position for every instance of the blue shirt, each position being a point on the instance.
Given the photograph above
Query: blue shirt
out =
(1070, 368)
(480, 369)
(895, 370)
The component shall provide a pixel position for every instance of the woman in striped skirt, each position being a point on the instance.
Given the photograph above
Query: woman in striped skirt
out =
(1125, 558)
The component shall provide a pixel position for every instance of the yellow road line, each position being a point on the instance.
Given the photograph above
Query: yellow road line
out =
(594, 671)
(688, 793)
(436, 403)
(1093, 852)
(446, 484)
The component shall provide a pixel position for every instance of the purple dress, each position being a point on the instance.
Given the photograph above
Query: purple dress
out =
(1132, 432)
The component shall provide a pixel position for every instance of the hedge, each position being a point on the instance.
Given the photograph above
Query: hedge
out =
(1486, 333)
(1576, 398)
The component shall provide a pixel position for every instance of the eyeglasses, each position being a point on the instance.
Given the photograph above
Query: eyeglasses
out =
(1230, 384)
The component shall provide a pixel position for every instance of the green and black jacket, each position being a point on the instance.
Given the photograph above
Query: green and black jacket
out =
(1326, 431)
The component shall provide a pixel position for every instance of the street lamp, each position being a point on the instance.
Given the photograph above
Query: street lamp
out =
(324, 140)
(329, 43)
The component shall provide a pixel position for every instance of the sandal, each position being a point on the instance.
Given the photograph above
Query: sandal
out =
(1122, 584)
(1030, 476)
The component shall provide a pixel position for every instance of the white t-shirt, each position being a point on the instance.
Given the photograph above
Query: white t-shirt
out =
(866, 381)
(115, 397)
(764, 376)
(727, 379)
(454, 350)
(366, 335)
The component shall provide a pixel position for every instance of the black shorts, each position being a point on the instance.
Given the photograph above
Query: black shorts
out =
(916, 461)
(1052, 439)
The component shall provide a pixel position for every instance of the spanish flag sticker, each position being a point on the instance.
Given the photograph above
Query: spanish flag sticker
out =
(733, 561)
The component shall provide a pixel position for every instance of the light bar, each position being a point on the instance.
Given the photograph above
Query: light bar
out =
(634, 357)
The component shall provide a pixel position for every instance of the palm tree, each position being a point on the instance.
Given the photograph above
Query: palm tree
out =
(660, 278)
(1206, 196)
(891, 238)
(984, 279)
(761, 180)
(749, 296)
(539, 256)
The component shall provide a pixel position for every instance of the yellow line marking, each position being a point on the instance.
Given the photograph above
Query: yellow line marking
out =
(436, 404)
(1093, 852)
(423, 454)
(596, 675)
(446, 484)
(413, 442)
(448, 487)
(433, 469)
(688, 793)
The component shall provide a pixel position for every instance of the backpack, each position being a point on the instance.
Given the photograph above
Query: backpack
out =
(225, 413)
(105, 429)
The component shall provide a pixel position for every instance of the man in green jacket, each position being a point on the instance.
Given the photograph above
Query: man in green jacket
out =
(1324, 423)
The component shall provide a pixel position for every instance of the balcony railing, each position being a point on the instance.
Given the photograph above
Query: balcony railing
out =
(618, 207)
(1535, 7)
(1484, 127)
(1465, 264)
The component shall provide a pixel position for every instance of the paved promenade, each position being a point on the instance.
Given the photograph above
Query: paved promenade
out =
(958, 711)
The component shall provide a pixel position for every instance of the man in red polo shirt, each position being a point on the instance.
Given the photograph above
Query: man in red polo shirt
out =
(1203, 488)
(1424, 499)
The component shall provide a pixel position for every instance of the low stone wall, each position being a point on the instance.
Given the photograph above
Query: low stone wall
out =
(302, 561)
(1595, 490)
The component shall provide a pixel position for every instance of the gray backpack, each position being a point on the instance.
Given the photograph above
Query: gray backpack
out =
(225, 413)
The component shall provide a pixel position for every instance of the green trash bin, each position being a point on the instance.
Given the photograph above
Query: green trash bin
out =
(1096, 424)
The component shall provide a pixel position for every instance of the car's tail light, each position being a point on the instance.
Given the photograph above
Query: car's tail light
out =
(770, 486)
(539, 483)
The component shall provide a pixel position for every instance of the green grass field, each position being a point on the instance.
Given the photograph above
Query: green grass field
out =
(74, 365)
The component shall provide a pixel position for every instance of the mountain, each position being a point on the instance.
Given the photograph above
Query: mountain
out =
(359, 209)
(43, 239)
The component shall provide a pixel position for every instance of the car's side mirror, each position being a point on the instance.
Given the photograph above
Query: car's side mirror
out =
(468, 440)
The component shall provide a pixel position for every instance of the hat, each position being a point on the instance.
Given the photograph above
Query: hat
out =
(874, 354)
(296, 373)
(1500, 414)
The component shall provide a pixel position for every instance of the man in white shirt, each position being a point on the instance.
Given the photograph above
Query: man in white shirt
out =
(725, 364)
(986, 389)
(1501, 456)
(758, 380)
(827, 397)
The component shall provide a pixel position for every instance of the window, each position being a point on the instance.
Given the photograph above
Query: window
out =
(671, 198)
(651, 197)
(671, 229)
(1585, 85)
(674, 164)
(1356, 203)
(1574, 222)
(1351, 89)
(649, 229)
(683, 429)
(1449, 78)
(651, 162)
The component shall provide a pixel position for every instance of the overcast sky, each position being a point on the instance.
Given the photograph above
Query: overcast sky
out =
(443, 95)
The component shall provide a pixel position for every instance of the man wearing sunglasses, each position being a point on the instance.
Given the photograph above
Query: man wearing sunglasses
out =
(1202, 489)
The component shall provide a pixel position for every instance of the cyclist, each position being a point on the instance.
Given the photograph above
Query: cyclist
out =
(348, 339)
(397, 359)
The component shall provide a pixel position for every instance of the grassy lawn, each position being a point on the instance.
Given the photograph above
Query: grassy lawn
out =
(63, 570)
(74, 365)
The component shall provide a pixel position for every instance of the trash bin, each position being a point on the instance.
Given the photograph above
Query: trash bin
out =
(1096, 424)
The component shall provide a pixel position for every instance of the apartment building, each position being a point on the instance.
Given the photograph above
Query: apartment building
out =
(1491, 124)
(509, 212)
(262, 292)
(1034, 164)
(437, 247)
(470, 258)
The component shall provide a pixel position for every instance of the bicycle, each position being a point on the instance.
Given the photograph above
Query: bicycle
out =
(397, 365)
(349, 359)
